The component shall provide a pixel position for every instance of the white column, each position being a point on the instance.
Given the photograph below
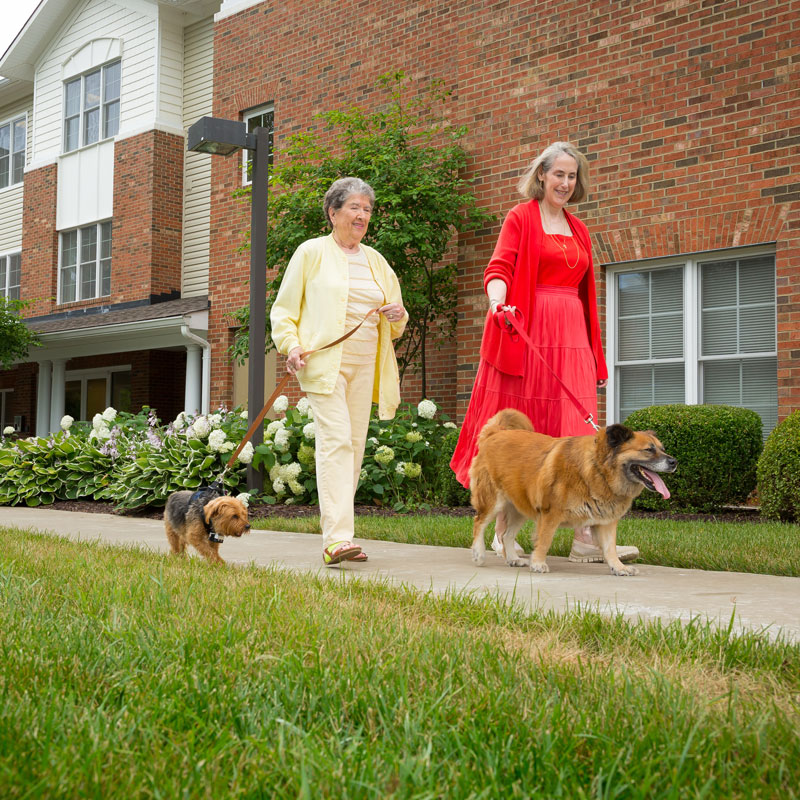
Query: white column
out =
(43, 399)
(57, 394)
(193, 398)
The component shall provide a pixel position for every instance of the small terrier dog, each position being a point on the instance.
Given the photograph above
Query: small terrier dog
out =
(201, 519)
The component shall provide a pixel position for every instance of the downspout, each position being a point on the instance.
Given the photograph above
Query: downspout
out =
(205, 381)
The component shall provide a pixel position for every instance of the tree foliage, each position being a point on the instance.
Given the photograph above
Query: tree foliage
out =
(413, 158)
(15, 336)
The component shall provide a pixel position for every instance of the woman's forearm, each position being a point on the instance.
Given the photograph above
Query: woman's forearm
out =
(496, 290)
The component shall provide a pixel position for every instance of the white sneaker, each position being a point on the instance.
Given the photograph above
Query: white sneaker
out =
(497, 546)
(583, 553)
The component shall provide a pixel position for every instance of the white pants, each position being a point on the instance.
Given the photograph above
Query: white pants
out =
(342, 421)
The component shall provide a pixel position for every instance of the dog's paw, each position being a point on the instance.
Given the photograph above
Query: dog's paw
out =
(623, 570)
(517, 562)
(539, 566)
(478, 557)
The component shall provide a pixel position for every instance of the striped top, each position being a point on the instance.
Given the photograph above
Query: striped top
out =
(364, 294)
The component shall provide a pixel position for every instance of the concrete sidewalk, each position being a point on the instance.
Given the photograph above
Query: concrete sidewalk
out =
(761, 602)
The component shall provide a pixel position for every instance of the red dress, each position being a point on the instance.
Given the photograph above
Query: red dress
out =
(561, 326)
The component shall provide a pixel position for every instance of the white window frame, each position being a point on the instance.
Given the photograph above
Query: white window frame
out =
(102, 106)
(4, 286)
(11, 122)
(84, 375)
(692, 357)
(98, 260)
(248, 115)
(3, 405)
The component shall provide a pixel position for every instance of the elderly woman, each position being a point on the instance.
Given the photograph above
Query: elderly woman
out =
(542, 271)
(330, 284)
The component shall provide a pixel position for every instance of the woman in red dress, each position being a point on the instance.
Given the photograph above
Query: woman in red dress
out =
(542, 269)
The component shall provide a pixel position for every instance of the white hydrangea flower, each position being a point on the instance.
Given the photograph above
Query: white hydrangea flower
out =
(310, 431)
(216, 440)
(66, 422)
(373, 440)
(243, 415)
(190, 433)
(278, 486)
(244, 498)
(281, 440)
(110, 414)
(306, 454)
(449, 425)
(201, 427)
(290, 471)
(362, 475)
(180, 422)
(9, 429)
(246, 456)
(427, 409)
(303, 405)
(274, 426)
(383, 455)
(98, 422)
(412, 470)
(413, 436)
(215, 420)
(281, 403)
(400, 467)
(297, 488)
(104, 433)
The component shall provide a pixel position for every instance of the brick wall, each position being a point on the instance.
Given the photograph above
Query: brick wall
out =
(686, 111)
(39, 240)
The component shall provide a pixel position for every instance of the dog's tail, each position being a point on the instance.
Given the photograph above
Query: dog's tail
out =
(509, 419)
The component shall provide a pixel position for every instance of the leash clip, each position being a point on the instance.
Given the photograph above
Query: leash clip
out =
(590, 421)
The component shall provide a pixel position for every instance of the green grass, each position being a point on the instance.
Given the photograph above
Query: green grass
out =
(126, 674)
(765, 548)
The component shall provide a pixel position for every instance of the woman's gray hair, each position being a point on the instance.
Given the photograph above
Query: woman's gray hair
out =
(340, 190)
(530, 185)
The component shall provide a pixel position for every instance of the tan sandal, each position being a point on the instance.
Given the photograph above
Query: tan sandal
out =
(360, 558)
(338, 552)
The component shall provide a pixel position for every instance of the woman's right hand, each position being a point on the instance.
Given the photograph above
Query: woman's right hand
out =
(499, 317)
(293, 360)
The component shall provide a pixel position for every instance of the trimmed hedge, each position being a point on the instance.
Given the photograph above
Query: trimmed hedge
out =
(717, 448)
(779, 472)
(449, 492)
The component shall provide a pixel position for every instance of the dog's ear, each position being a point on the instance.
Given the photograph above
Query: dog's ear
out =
(617, 435)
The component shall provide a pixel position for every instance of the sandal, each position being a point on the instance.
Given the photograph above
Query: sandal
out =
(360, 558)
(340, 551)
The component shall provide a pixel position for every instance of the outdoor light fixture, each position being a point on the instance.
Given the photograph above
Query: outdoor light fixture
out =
(222, 137)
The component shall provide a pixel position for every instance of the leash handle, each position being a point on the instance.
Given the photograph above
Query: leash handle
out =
(282, 385)
(513, 322)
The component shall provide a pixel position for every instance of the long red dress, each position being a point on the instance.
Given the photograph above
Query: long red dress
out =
(563, 329)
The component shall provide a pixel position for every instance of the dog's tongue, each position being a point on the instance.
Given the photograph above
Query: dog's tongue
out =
(661, 487)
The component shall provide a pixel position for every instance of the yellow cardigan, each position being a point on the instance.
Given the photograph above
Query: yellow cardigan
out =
(309, 311)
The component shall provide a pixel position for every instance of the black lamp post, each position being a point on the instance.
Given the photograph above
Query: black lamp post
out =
(224, 137)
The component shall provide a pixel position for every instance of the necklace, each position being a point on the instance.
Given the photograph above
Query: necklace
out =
(563, 247)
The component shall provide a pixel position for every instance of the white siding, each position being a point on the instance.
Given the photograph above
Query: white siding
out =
(11, 197)
(136, 27)
(170, 72)
(197, 102)
(85, 193)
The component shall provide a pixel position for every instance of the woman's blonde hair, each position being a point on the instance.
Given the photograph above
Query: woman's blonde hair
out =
(530, 184)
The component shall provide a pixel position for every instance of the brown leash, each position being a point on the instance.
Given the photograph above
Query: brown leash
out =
(280, 387)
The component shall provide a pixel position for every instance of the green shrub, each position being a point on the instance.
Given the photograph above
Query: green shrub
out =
(717, 448)
(448, 491)
(779, 472)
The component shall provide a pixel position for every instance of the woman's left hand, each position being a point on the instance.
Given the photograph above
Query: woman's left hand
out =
(602, 384)
(393, 312)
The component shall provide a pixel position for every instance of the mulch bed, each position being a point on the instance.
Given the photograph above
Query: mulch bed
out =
(743, 514)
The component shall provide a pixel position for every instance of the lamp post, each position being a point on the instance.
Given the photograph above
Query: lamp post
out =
(225, 137)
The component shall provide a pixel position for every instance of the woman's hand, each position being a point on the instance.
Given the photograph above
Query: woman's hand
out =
(293, 360)
(393, 312)
(602, 384)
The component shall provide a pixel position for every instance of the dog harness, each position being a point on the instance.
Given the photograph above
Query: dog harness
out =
(204, 496)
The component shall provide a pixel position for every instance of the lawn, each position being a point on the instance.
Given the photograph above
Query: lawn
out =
(768, 548)
(125, 674)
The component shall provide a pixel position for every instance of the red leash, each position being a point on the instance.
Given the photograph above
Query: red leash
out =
(280, 387)
(512, 321)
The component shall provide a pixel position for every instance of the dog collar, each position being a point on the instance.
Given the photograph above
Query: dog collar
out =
(213, 536)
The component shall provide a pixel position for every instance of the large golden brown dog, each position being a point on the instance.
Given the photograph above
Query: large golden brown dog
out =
(570, 481)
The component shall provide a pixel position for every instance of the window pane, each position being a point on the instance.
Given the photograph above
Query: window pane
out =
(71, 134)
(88, 280)
(667, 336)
(88, 244)
(757, 327)
(634, 339)
(757, 280)
(121, 390)
(69, 248)
(111, 82)
(14, 271)
(19, 135)
(722, 383)
(91, 90)
(633, 293)
(4, 171)
(5, 140)
(68, 285)
(18, 168)
(111, 122)
(105, 240)
(3, 275)
(91, 126)
(72, 399)
(667, 290)
(95, 396)
(668, 384)
(719, 332)
(105, 277)
(719, 284)
(72, 98)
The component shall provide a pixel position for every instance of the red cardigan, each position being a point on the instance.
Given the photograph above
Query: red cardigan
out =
(515, 261)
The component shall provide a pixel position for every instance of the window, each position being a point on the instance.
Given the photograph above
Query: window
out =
(85, 270)
(9, 276)
(263, 117)
(91, 106)
(702, 330)
(92, 391)
(12, 152)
